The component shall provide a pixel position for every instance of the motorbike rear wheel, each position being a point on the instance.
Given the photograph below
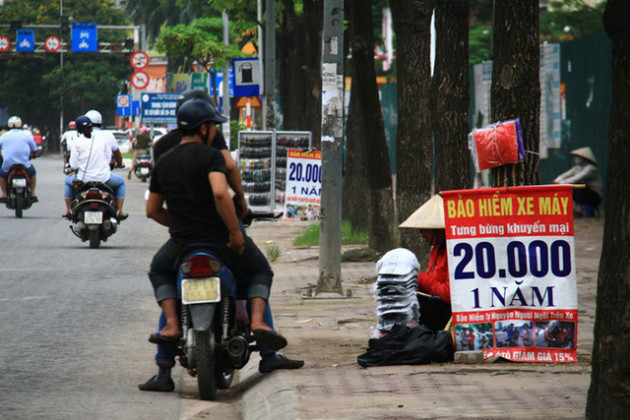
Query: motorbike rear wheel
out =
(95, 241)
(19, 206)
(205, 359)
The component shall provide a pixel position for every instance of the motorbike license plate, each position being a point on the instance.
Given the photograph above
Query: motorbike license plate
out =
(93, 217)
(201, 290)
(144, 171)
(19, 182)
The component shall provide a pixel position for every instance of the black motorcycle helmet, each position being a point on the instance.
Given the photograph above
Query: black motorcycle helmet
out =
(83, 124)
(195, 112)
(194, 94)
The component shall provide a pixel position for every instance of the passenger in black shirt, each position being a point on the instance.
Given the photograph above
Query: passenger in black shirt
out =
(174, 137)
(191, 180)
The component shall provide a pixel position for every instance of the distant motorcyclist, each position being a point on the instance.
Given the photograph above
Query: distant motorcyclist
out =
(66, 141)
(17, 147)
(141, 145)
(90, 155)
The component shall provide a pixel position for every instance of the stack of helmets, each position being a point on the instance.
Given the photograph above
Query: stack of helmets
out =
(395, 291)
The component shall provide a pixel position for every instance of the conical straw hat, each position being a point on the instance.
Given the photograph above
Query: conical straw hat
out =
(586, 153)
(429, 216)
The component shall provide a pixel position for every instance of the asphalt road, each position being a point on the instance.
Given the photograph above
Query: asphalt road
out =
(74, 320)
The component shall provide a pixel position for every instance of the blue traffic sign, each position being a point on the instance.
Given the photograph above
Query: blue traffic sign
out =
(247, 77)
(84, 37)
(25, 40)
(159, 108)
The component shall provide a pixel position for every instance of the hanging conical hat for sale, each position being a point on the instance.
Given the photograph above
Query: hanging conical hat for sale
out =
(429, 216)
(586, 153)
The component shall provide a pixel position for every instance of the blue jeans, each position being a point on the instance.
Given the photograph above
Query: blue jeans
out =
(251, 265)
(165, 355)
(115, 182)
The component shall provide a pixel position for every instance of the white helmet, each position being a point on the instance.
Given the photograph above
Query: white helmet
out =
(94, 116)
(15, 122)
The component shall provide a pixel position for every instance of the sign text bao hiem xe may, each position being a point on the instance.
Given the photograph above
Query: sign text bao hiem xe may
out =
(512, 272)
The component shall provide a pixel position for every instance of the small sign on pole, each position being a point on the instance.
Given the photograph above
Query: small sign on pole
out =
(5, 43)
(139, 60)
(140, 80)
(52, 44)
(84, 37)
(25, 40)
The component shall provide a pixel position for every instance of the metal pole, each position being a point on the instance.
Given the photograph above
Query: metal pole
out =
(269, 118)
(332, 147)
(226, 82)
(61, 69)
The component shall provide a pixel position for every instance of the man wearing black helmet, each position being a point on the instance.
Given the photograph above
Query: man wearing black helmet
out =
(174, 137)
(191, 179)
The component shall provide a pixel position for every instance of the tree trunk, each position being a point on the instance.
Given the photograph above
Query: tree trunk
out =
(367, 159)
(515, 86)
(299, 64)
(412, 19)
(609, 394)
(451, 96)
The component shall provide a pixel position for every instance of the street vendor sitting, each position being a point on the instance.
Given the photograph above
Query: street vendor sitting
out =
(434, 292)
(584, 172)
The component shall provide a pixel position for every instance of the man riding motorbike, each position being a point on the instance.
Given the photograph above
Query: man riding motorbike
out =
(90, 155)
(141, 145)
(192, 180)
(66, 141)
(17, 147)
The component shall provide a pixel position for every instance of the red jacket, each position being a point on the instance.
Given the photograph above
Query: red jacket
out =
(435, 280)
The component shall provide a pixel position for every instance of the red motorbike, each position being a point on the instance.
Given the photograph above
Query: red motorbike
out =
(19, 190)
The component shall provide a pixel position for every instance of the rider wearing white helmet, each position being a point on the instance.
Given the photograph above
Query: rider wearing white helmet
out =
(116, 182)
(18, 147)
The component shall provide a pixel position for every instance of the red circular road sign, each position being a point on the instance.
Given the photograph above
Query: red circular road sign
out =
(5, 43)
(140, 80)
(139, 60)
(52, 44)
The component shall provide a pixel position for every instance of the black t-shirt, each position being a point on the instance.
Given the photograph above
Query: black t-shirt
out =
(181, 176)
(174, 137)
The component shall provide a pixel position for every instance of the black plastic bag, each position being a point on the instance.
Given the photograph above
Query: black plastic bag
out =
(408, 346)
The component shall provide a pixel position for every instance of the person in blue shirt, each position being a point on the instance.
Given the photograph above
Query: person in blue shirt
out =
(17, 147)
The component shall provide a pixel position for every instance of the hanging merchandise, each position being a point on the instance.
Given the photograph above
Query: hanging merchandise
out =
(497, 144)
(263, 161)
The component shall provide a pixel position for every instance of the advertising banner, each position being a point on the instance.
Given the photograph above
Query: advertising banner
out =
(303, 185)
(512, 272)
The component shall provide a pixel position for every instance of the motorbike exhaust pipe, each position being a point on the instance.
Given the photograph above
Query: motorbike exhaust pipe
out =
(237, 348)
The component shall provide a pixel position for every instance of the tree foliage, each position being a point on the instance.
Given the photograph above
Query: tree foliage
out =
(33, 83)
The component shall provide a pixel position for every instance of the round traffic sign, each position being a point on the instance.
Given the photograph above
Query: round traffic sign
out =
(139, 60)
(5, 43)
(140, 80)
(52, 44)
(123, 101)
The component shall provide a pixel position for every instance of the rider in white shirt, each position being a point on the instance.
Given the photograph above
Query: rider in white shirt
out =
(66, 141)
(90, 154)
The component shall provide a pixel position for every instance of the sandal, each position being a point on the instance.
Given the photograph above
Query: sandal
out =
(67, 215)
(122, 216)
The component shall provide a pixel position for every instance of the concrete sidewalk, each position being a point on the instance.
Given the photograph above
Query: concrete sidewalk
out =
(329, 334)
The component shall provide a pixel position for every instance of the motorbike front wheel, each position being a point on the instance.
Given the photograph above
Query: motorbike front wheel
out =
(95, 241)
(206, 365)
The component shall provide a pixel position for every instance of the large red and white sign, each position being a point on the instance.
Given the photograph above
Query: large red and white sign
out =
(512, 272)
(139, 60)
(140, 80)
(52, 44)
(5, 43)
(303, 185)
